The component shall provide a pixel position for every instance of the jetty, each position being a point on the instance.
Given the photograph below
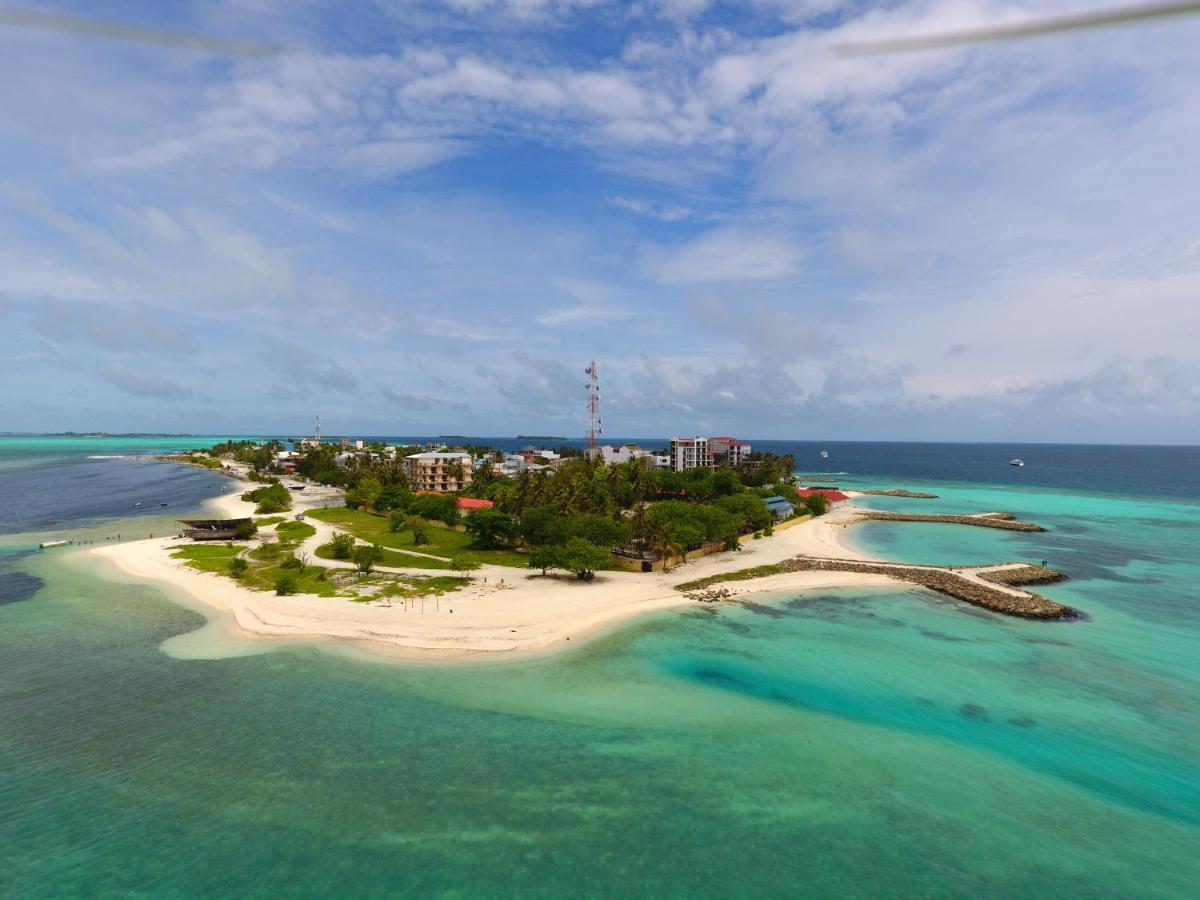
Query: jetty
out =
(1000, 520)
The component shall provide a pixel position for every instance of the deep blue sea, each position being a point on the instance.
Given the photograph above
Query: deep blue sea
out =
(850, 743)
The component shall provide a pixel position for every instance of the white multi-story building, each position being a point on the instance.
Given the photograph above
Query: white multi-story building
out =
(689, 453)
(437, 471)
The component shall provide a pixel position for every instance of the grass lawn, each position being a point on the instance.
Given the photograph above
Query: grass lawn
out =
(269, 520)
(396, 559)
(266, 569)
(739, 575)
(295, 531)
(442, 541)
(207, 557)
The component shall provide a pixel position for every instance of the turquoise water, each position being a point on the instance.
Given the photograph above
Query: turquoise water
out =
(853, 743)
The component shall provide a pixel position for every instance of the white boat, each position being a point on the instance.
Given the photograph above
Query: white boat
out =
(824, 454)
(45, 544)
(1016, 462)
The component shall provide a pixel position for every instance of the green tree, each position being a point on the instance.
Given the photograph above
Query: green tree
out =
(271, 498)
(665, 543)
(583, 558)
(603, 531)
(490, 528)
(542, 525)
(364, 494)
(285, 584)
(441, 507)
(397, 522)
(245, 530)
(817, 504)
(464, 564)
(238, 567)
(749, 508)
(366, 556)
(546, 557)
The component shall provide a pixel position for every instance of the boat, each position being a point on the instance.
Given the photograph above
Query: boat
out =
(824, 454)
(1016, 462)
(139, 503)
(44, 544)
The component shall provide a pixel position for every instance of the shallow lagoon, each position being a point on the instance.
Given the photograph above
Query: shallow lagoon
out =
(854, 743)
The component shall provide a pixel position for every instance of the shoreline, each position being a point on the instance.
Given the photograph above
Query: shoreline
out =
(506, 613)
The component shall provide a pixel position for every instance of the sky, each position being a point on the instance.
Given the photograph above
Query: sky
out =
(428, 216)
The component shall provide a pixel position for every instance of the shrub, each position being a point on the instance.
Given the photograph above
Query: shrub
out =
(245, 530)
(464, 563)
(238, 567)
(285, 584)
(366, 556)
(341, 546)
(292, 563)
(397, 522)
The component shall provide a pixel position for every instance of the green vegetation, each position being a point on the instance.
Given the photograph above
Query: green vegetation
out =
(396, 559)
(491, 529)
(464, 563)
(269, 520)
(245, 530)
(271, 498)
(207, 557)
(340, 547)
(295, 531)
(365, 557)
(286, 584)
(238, 567)
(440, 541)
(739, 575)
(578, 556)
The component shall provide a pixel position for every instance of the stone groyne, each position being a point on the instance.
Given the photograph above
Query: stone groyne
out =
(984, 520)
(900, 492)
(961, 584)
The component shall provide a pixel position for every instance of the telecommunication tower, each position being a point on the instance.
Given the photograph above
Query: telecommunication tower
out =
(595, 423)
(317, 431)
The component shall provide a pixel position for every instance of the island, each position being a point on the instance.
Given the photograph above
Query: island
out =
(462, 552)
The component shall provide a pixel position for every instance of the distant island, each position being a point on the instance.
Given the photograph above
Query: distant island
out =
(539, 437)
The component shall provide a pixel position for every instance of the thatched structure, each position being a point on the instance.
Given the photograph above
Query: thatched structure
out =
(212, 529)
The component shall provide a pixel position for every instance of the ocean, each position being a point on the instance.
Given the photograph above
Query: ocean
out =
(853, 743)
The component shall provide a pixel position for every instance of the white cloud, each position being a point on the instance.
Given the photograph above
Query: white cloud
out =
(724, 255)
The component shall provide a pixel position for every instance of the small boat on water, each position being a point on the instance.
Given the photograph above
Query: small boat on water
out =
(824, 454)
(139, 503)
(1016, 462)
(44, 544)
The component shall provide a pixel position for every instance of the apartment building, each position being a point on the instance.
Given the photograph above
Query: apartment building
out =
(439, 472)
(727, 451)
(689, 453)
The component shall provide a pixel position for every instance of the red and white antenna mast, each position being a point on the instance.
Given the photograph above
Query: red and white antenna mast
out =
(317, 430)
(595, 423)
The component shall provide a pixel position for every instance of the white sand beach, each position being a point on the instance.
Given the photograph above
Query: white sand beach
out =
(504, 612)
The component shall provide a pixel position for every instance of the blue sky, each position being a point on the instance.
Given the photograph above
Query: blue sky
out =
(427, 217)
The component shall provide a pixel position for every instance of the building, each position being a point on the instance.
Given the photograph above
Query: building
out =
(727, 451)
(470, 504)
(780, 507)
(613, 455)
(832, 498)
(438, 471)
(690, 453)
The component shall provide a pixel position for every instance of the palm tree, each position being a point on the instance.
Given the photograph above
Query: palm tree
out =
(664, 542)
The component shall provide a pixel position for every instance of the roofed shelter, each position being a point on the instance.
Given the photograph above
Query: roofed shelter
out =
(212, 529)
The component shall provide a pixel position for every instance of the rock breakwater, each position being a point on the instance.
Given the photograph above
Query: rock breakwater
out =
(960, 583)
(983, 520)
